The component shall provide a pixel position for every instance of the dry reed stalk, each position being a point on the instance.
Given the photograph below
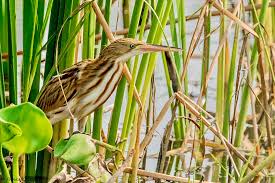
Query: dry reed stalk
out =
(265, 96)
(233, 17)
(79, 171)
(182, 98)
(165, 141)
(136, 131)
(255, 128)
(188, 18)
(122, 167)
(238, 84)
(217, 53)
(161, 176)
(148, 137)
(194, 41)
(183, 147)
(256, 171)
(218, 13)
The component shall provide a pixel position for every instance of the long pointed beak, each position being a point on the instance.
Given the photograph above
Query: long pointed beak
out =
(155, 48)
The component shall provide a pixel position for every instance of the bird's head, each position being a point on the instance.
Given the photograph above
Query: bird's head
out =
(122, 49)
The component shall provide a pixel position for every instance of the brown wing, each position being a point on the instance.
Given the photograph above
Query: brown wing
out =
(52, 96)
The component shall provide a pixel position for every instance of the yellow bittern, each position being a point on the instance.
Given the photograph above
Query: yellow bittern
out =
(88, 84)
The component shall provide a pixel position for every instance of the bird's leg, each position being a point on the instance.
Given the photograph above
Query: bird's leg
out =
(82, 123)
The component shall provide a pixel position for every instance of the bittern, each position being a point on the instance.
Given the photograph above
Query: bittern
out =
(88, 84)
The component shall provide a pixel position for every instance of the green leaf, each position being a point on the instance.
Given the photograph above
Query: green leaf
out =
(8, 131)
(36, 128)
(78, 149)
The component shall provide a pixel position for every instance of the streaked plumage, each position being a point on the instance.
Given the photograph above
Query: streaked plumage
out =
(88, 84)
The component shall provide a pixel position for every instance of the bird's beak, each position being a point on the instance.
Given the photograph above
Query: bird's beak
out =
(155, 48)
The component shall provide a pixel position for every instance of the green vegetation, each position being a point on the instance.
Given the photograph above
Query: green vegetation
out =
(230, 140)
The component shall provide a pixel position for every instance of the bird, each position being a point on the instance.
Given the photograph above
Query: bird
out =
(82, 88)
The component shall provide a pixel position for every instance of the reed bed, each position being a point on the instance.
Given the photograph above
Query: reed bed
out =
(192, 139)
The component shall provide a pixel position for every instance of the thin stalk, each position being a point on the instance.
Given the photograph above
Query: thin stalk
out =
(121, 87)
(126, 13)
(53, 27)
(36, 57)
(134, 74)
(206, 57)
(229, 97)
(34, 63)
(2, 83)
(12, 51)
(67, 33)
(179, 125)
(3, 167)
(88, 49)
(122, 84)
(148, 76)
(174, 34)
(205, 66)
(182, 29)
(220, 90)
(98, 27)
(220, 76)
(57, 7)
(89, 35)
(245, 94)
(99, 112)
(29, 29)
(264, 164)
(4, 26)
(144, 62)
(15, 169)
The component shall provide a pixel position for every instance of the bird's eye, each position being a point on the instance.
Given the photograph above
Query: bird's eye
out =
(132, 46)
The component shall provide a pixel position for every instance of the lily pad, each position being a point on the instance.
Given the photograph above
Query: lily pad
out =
(78, 149)
(8, 131)
(36, 128)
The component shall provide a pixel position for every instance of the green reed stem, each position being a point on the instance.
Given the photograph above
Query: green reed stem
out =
(3, 167)
(182, 30)
(220, 87)
(29, 27)
(121, 87)
(181, 124)
(32, 62)
(142, 67)
(228, 100)
(252, 71)
(126, 13)
(55, 24)
(246, 90)
(264, 164)
(104, 41)
(12, 51)
(4, 26)
(42, 166)
(2, 83)
(174, 34)
(88, 50)
(149, 72)
(15, 169)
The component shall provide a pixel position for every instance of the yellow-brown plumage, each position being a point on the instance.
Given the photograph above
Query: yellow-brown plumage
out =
(88, 84)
